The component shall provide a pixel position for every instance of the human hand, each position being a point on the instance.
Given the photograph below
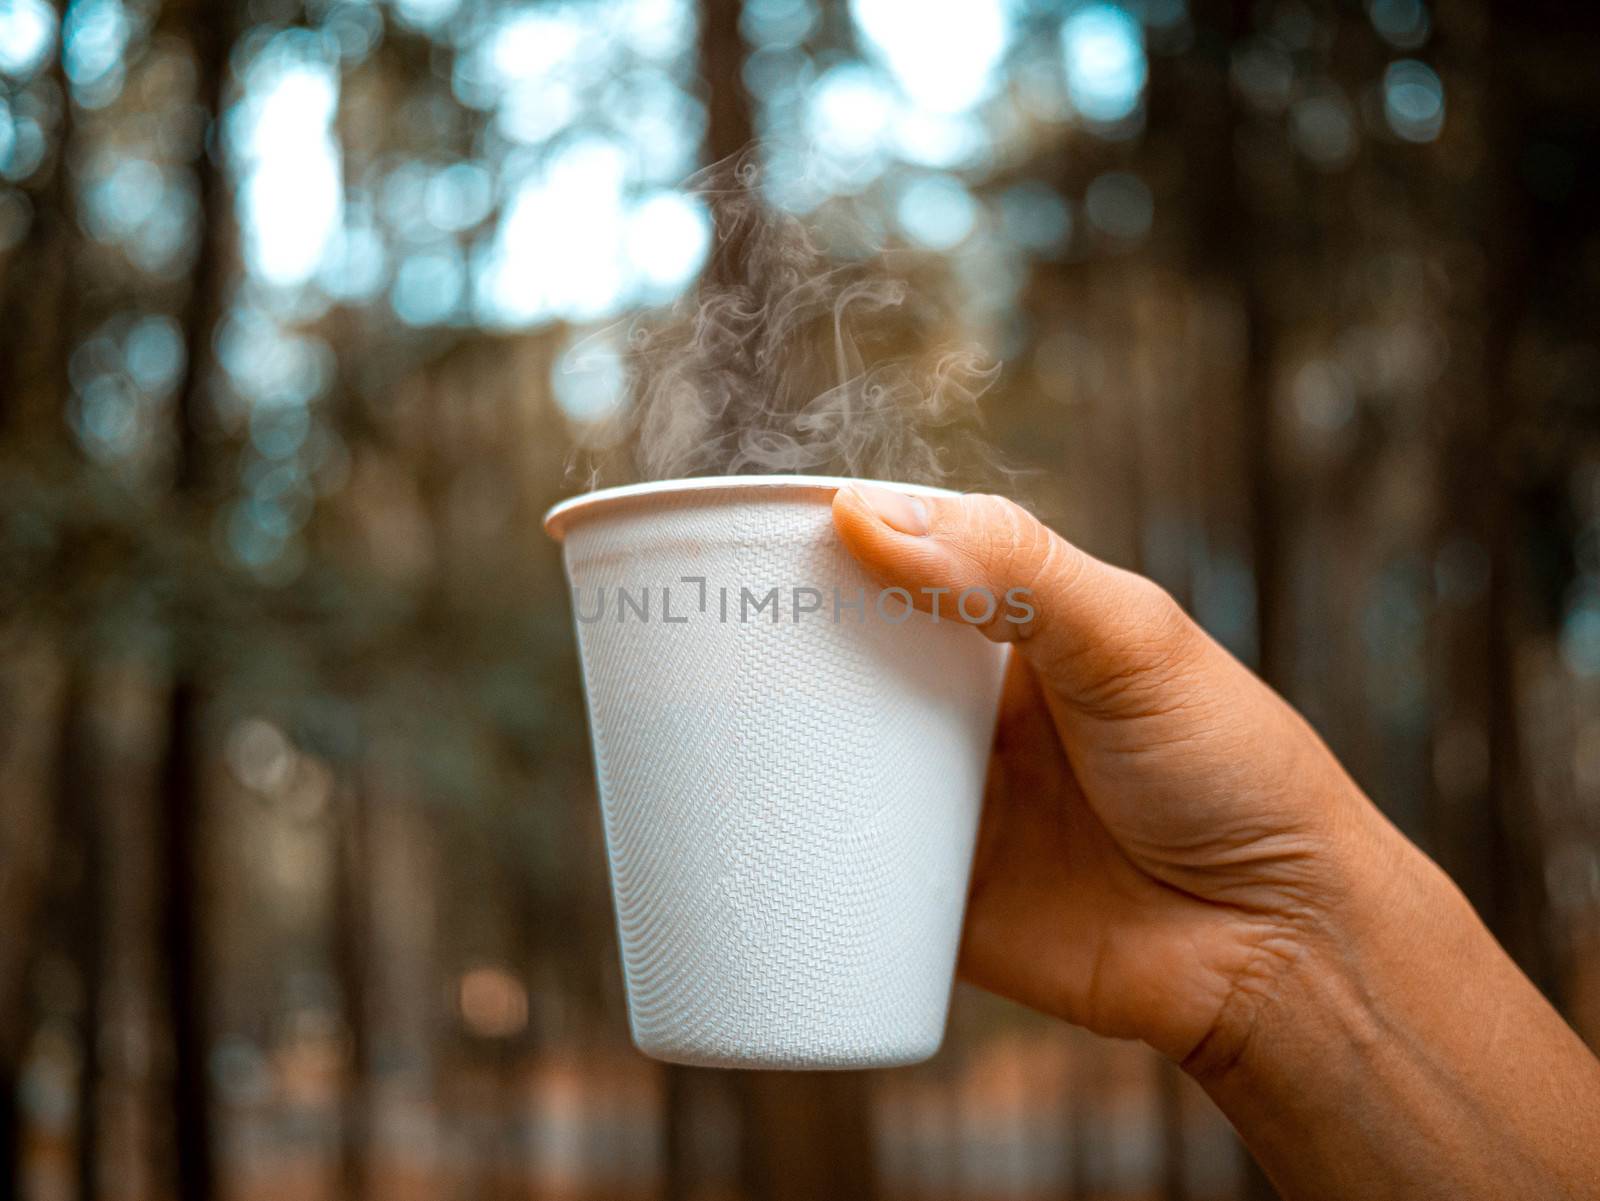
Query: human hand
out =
(1162, 834)
(1169, 853)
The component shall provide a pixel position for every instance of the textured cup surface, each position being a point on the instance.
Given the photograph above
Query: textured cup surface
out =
(789, 804)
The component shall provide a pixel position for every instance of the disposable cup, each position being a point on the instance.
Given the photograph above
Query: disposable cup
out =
(790, 767)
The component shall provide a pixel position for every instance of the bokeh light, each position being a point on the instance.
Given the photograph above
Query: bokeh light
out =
(425, 14)
(849, 117)
(16, 214)
(1404, 24)
(936, 211)
(1102, 46)
(1263, 71)
(778, 24)
(942, 53)
(667, 238)
(94, 39)
(557, 251)
(459, 196)
(428, 286)
(22, 143)
(27, 35)
(1119, 203)
(1413, 100)
(1580, 638)
(1323, 126)
(494, 1003)
(282, 141)
(1035, 216)
(589, 378)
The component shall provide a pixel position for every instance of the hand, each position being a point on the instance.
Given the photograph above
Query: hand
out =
(1161, 832)
(1169, 853)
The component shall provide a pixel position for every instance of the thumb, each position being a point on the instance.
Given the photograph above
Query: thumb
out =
(1102, 638)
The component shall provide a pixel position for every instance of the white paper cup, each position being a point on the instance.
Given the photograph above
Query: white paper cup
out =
(789, 804)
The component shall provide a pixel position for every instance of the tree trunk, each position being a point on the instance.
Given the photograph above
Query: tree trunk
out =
(182, 928)
(677, 1179)
(807, 1135)
(1174, 1148)
(182, 810)
(36, 317)
(1505, 867)
(81, 867)
(210, 25)
(730, 128)
(37, 299)
(31, 682)
(351, 941)
(10, 1133)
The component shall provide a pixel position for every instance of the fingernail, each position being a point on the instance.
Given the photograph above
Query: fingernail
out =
(897, 510)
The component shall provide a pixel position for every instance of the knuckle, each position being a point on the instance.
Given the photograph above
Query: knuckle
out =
(1167, 630)
(1156, 610)
(1150, 652)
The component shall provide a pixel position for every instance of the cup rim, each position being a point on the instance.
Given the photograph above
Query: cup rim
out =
(558, 519)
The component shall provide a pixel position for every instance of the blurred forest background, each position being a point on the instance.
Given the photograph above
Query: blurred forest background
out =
(302, 890)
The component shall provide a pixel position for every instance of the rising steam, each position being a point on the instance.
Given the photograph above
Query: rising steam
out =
(785, 359)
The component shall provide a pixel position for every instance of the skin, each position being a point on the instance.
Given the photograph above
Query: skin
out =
(1169, 853)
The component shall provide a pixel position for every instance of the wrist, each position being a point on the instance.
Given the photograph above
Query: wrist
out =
(1316, 1063)
(1320, 970)
(1398, 1052)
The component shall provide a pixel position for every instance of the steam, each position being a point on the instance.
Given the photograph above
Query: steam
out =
(788, 360)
